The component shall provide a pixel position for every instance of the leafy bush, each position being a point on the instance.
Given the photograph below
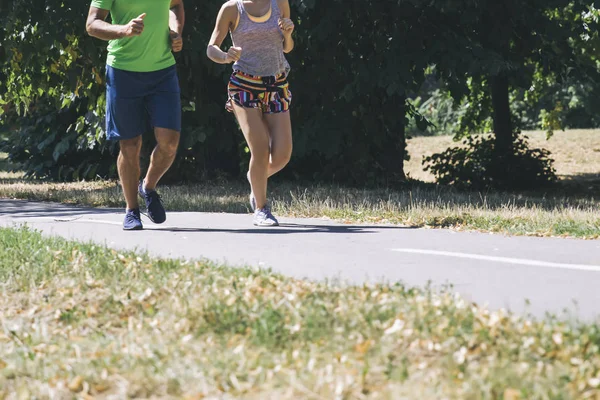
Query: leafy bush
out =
(475, 165)
(60, 145)
(349, 106)
(352, 73)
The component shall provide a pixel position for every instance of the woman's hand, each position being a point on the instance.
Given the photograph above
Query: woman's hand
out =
(233, 54)
(287, 26)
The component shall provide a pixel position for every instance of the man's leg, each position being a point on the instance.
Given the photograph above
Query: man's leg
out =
(128, 165)
(125, 122)
(163, 156)
(164, 109)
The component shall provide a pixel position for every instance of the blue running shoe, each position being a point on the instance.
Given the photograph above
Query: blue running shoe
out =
(263, 217)
(133, 220)
(156, 211)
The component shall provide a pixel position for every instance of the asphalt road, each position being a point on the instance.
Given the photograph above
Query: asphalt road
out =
(504, 272)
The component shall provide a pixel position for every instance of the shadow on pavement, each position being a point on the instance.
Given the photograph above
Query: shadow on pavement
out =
(37, 209)
(286, 229)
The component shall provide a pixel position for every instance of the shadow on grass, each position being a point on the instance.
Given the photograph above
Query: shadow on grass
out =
(306, 199)
(583, 183)
(417, 194)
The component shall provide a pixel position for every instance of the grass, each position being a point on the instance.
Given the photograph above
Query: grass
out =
(83, 320)
(570, 210)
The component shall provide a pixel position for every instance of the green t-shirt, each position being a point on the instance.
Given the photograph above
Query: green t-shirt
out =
(151, 51)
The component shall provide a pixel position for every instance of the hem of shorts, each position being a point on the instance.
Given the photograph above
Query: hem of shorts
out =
(259, 108)
(167, 127)
(117, 138)
(277, 112)
(125, 67)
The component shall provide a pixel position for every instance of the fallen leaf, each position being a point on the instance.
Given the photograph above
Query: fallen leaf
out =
(512, 394)
(101, 387)
(198, 396)
(363, 347)
(76, 385)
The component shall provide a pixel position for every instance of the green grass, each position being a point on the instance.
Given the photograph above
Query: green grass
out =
(83, 319)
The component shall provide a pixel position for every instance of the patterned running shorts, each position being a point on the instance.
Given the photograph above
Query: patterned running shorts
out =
(270, 94)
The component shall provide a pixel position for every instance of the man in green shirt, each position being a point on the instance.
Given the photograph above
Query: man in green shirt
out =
(142, 91)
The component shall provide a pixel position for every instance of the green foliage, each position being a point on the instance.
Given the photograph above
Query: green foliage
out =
(554, 105)
(353, 69)
(476, 165)
(351, 74)
(51, 90)
(440, 110)
(527, 42)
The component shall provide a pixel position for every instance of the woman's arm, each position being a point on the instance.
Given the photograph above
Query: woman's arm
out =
(225, 20)
(286, 25)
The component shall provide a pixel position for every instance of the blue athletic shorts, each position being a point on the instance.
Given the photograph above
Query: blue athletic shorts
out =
(140, 101)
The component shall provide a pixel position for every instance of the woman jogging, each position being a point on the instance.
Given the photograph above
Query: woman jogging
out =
(259, 96)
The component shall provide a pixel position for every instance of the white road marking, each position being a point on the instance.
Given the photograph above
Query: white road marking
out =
(505, 260)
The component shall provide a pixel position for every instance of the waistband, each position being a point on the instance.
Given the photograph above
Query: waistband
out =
(267, 80)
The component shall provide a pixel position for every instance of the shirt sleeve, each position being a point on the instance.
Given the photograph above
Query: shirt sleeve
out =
(103, 4)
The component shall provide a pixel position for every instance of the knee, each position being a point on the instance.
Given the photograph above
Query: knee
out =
(282, 158)
(169, 144)
(260, 152)
(130, 148)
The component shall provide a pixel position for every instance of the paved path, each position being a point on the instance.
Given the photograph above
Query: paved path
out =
(500, 271)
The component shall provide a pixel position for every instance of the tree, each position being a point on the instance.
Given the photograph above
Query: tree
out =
(366, 58)
(516, 40)
(509, 43)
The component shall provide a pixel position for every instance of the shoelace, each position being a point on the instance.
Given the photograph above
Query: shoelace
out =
(132, 216)
(153, 195)
(266, 211)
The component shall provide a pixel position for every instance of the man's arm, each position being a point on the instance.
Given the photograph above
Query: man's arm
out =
(96, 26)
(177, 16)
(176, 22)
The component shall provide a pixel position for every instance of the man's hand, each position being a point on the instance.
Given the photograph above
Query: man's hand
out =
(176, 41)
(135, 27)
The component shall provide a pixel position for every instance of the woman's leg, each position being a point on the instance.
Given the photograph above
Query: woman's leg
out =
(257, 137)
(280, 132)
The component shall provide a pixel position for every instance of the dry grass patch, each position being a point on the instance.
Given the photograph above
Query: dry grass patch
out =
(555, 213)
(83, 320)
(576, 153)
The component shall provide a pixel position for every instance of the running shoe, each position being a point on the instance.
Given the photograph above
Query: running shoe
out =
(156, 211)
(263, 217)
(133, 220)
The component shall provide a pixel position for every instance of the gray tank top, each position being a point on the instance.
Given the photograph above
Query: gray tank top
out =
(261, 43)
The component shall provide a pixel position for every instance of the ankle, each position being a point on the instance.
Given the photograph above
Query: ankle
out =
(146, 187)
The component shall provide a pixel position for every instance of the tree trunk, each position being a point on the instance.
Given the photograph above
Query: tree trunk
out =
(400, 174)
(502, 121)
